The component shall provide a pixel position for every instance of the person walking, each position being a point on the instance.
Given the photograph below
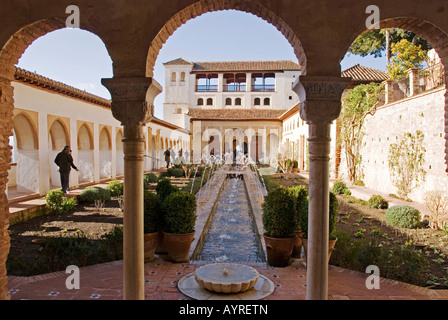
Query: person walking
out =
(64, 161)
(167, 154)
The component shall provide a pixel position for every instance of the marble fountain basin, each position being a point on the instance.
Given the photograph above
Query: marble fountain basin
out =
(226, 277)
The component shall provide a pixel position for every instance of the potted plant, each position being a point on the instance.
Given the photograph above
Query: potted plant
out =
(179, 214)
(295, 166)
(163, 189)
(333, 212)
(299, 194)
(279, 226)
(151, 222)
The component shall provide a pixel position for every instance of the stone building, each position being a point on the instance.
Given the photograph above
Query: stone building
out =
(49, 115)
(231, 107)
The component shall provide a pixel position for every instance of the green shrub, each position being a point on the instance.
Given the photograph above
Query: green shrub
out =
(151, 212)
(179, 209)
(164, 188)
(279, 214)
(115, 187)
(150, 177)
(299, 194)
(176, 172)
(378, 202)
(295, 164)
(54, 199)
(403, 216)
(91, 194)
(333, 214)
(57, 201)
(339, 187)
(111, 245)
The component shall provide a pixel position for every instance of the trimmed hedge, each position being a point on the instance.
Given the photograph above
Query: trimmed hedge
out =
(403, 216)
(151, 213)
(179, 212)
(279, 214)
(378, 202)
(115, 187)
(91, 194)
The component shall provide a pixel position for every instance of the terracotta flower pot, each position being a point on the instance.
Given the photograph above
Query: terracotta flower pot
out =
(331, 245)
(160, 248)
(297, 248)
(150, 242)
(279, 250)
(178, 246)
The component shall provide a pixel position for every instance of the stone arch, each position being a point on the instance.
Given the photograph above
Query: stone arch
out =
(205, 6)
(26, 132)
(85, 137)
(105, 139)
(119, 154)
(59, 135)
(105, 153)
(437, 38)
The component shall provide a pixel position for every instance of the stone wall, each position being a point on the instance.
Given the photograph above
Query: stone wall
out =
(424, 112)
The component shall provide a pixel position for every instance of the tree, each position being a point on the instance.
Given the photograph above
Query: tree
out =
(405, 55)
(379, 41)
(406, 160)
(357, 103)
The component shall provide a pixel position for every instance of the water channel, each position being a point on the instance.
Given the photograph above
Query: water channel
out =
(231, 233)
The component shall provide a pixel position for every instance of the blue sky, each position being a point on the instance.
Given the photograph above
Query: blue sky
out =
(80, 59)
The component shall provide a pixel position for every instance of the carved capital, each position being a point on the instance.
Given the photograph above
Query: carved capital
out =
(323, 97)
(132, 99)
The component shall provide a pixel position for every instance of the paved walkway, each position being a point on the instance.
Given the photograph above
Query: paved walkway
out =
(105, 281)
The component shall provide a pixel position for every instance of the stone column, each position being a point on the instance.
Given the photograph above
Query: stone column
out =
(321, 107)
(132, 100)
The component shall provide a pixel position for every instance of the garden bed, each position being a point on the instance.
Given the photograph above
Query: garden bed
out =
(83, 228)
(363, 233)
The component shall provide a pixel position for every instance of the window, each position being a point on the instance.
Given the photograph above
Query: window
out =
(238, 101)
(267, 102)
(178, 111)
(182, 77)
(200, 102)
(206, 83)
(228, 102)
(257, 101)
(173, 77)
(209, 101)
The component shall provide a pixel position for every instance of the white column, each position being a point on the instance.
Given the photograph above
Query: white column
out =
(44, 154)
(96, 153)
(114, 152)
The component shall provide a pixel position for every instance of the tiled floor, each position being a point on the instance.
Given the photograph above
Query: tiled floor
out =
(104, 282)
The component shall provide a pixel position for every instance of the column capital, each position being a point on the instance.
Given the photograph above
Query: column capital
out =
(132, 99)
(323, 97)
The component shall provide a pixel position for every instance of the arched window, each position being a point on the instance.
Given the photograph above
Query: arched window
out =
(257, 101)
(238, 101)
(173, 77)
(200, 102)
(209, 101)
(267, 102)
(228, 102)
(182, 77)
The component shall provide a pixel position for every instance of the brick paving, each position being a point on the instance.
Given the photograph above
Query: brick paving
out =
(105, 282)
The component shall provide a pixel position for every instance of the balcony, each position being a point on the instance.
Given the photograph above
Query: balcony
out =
(207, 88)
(234, 87)
(263, 88)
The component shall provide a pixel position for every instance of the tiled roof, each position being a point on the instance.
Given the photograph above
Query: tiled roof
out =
(53, 85)
(246, 66)
(235, 114)
(361, 74)
(238, 65)
(178, 61)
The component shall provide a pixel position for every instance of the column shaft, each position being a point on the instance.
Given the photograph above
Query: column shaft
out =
(133, 251)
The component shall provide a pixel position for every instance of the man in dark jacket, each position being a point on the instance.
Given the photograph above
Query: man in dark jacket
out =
(64, 161)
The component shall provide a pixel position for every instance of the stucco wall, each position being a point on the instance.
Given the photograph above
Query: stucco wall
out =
(424, 112)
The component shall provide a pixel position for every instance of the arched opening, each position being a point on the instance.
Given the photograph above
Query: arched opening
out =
(85, 153)
(119, 154)
(24, 172)
(105, 146)
(58, 138)
(402, 104)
